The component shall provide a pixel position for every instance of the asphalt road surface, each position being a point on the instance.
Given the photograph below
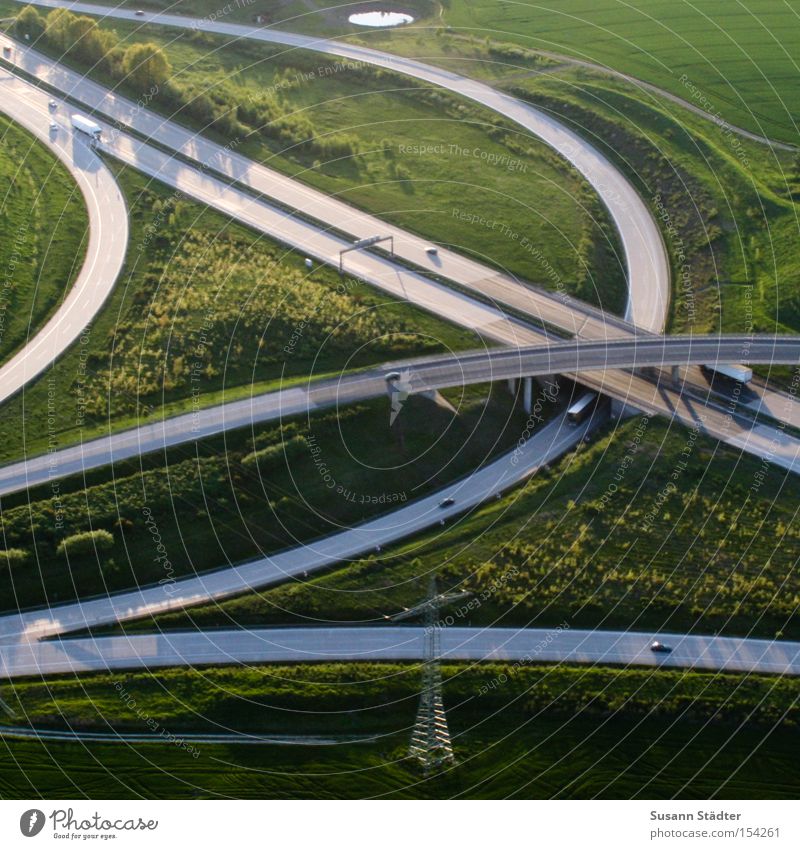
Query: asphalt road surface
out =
(393, 643)
(107, 243)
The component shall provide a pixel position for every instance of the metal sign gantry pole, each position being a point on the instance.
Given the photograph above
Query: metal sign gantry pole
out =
(365, 243)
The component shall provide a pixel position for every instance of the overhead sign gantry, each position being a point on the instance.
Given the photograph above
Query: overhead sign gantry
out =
(365, 243)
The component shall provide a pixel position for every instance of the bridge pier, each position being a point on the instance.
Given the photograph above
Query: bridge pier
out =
(512, 385)
(620, 410)
(676, 374)
(527, 393)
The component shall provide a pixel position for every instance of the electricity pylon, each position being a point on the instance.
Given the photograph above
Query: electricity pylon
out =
(430, 739)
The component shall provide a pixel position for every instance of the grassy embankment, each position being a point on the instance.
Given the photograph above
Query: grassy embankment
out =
(541, 732)
(43, 226)
(608, 538)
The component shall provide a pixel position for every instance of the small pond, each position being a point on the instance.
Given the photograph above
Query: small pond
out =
(380, 19)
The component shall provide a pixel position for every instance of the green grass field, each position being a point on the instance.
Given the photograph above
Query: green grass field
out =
(542, 761)
(738, 62)
(546, 732)
(43, 227)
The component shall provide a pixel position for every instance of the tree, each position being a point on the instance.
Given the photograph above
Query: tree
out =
(59, 28)
(146, 66)
(29, 23)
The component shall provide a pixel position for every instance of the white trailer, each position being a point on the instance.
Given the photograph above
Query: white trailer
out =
(84, 125)
(741, 374)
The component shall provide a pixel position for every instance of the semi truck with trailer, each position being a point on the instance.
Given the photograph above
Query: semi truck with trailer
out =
(87, 127)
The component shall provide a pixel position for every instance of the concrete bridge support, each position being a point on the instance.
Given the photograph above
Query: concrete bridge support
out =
(527, 393)
(620, 410)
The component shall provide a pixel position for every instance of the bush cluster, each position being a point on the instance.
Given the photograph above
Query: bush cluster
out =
(230, 110)
(219, 302)
(83, 39)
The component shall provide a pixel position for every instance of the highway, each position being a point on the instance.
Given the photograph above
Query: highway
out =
(105, 252)
(396, 643)
(645, 254)
(459, 308)
(422, 374)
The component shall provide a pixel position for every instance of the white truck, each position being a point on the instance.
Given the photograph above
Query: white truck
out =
(84, 125)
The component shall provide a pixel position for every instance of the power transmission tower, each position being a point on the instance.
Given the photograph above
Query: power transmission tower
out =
(430, 739)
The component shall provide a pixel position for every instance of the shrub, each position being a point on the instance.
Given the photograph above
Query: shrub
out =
(12, 557)
(86, 542)
(29, 22)
(283, 451)
(80, 36)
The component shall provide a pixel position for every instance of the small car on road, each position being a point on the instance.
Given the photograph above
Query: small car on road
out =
(659, 647)
(52, 106)
(447, 502)
(392, 376)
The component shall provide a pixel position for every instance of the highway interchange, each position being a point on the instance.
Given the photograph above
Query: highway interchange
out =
(648, 281)
(224, 181)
